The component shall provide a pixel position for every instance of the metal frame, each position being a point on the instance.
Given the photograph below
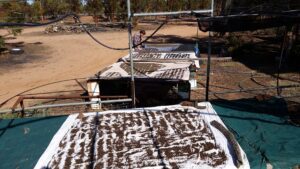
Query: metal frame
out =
(62, 97)
(131, 15)
(63, 105)
(256, 89)
(182, 60)
(21, 99)
(209, 57)
(172, 13)
(130, 54)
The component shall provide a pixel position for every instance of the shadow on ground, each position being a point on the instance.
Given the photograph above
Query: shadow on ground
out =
(264, 56)
(259, 53)
(32, 53)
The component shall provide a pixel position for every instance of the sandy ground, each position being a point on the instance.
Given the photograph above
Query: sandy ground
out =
(60, 59)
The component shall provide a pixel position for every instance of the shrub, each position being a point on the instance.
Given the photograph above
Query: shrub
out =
(1, 42)
(233, 43)
(8, 116)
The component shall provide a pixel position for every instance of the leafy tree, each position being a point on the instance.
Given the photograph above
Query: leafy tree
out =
(54, 7)
(73, 5)
(1, 43)
(110, 9)
(13, 11)
(94, 8)
(37, 10)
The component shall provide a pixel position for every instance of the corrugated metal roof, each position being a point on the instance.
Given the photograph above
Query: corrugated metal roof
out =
(164, 57)
(171, 71)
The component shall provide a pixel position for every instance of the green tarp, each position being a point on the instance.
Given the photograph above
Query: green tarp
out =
(22, 141)
(263, 137)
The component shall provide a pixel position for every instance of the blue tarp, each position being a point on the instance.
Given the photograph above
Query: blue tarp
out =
(264, 137)
(22, 141)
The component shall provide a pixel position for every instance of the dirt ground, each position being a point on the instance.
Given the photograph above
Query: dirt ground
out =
(53, 63)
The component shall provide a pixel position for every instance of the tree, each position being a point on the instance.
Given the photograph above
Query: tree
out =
(73, 5)
(95, 8)
(54, 7)
(110, 9)
(37, 10)
(1, 43)
(13, 11)
(121, 11)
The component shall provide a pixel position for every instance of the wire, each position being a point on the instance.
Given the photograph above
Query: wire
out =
(157, 29)
(76, 17)
(113, 48)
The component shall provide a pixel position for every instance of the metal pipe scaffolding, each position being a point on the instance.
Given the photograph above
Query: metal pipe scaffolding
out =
(255, 89)
(180, 59)
(211, 10)
(208, 57)
(130, 54)
(172, 13)
(64, 105)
